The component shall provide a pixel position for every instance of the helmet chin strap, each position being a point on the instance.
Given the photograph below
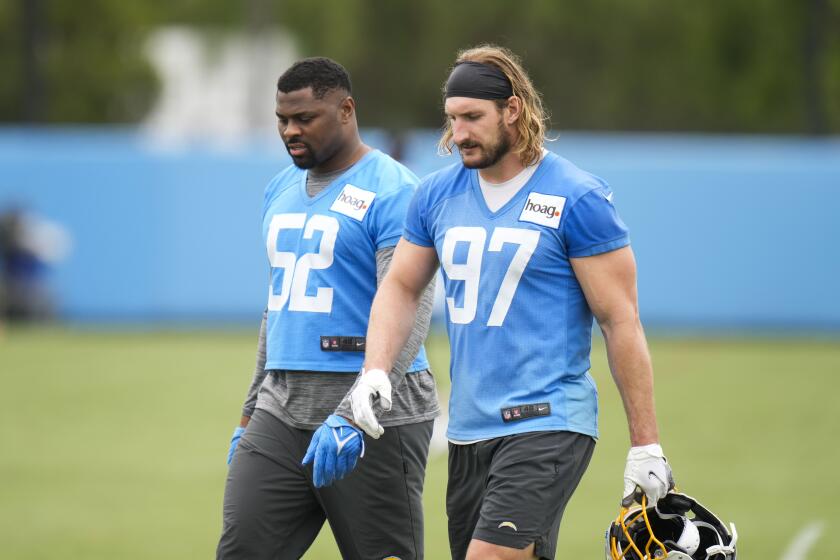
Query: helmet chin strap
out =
(722, 548)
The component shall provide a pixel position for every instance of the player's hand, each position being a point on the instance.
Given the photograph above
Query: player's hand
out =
(647, 473)
(234, 441)
(334, 450)
(372, 383)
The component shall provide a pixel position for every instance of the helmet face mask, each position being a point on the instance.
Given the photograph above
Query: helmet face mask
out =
(677, 528)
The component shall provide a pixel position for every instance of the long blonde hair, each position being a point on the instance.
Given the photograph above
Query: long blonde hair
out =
(532, 121)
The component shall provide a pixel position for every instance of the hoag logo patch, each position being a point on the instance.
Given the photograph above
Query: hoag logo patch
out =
(543, 209)
(353, 202)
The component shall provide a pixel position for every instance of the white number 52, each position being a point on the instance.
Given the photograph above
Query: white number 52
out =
(296, 269)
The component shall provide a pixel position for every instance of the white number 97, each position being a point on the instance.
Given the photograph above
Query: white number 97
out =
(469, 271)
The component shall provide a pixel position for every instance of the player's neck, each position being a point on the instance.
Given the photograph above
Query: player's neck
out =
(503, 170)
(348, 155)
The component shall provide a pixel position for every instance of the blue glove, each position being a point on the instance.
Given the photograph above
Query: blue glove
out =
(334, 450)
(234, 441)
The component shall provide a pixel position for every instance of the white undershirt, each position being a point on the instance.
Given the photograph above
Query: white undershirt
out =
(497, 195)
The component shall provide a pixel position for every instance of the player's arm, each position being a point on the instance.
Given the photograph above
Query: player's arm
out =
(259, 374)
(609, 284)
(608, 281)
(366, 386)
(423, 316)
(393, 321)
(253, 390)
(394, 308)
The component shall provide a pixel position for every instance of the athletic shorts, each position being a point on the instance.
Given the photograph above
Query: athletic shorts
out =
(511, 491)
(273, 511)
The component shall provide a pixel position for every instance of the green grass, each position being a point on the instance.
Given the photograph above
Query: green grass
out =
(113, 444)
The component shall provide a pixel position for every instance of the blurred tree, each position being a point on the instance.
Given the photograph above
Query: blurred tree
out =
(76, 61)
(722, 65)
(32, 67)
(718, 65)
(830, 66)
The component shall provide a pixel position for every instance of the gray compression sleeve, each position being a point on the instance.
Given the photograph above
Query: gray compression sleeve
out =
(259, 371)
(418, 335)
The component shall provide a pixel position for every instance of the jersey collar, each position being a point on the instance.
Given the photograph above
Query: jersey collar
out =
(340, 180)
(515, 200)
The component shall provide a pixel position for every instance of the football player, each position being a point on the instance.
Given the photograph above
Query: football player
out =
(531, 248)
(330, 223)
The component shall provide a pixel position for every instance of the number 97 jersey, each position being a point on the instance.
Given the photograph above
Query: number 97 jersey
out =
(322, 252)
(519, 326)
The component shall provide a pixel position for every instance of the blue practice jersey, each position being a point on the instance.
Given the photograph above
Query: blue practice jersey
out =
(520, 329)
(322, 253)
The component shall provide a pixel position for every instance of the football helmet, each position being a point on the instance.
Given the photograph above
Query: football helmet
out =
(676, 528)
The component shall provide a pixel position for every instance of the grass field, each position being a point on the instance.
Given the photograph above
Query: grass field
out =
(113, 444)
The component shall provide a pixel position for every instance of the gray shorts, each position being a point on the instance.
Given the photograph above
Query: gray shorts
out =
(511, 491)
(272, 510)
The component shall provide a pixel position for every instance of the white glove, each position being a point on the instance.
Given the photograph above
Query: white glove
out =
(647, 472)
(372, 383)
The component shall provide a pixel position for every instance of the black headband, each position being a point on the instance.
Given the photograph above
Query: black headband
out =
(479, 81)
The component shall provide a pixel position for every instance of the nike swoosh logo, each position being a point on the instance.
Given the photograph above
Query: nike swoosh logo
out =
(609, 197)
(507, 524)
(340, 443)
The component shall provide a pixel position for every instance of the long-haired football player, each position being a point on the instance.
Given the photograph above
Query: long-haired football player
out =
(531, 248)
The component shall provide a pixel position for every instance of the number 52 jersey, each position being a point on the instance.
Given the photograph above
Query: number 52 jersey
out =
(520, 329)
(322, 253)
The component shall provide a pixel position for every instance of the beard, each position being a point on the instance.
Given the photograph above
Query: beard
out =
(306, 160)
(490, 154)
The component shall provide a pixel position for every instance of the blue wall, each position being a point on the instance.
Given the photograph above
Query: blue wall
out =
(729, 232)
